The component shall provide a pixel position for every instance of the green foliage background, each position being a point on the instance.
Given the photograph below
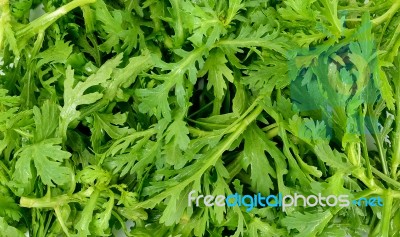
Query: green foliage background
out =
(115, 110)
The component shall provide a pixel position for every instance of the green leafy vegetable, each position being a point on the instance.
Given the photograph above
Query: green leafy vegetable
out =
(115, 112)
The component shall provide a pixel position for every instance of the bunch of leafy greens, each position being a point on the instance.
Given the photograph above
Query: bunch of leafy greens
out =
(113, 111)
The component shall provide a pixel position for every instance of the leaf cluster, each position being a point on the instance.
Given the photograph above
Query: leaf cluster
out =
(111, 112)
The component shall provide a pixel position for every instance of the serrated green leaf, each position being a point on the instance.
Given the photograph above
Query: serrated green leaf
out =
(74, 95)
(47, 158)
(307, 224)
(217, 71)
